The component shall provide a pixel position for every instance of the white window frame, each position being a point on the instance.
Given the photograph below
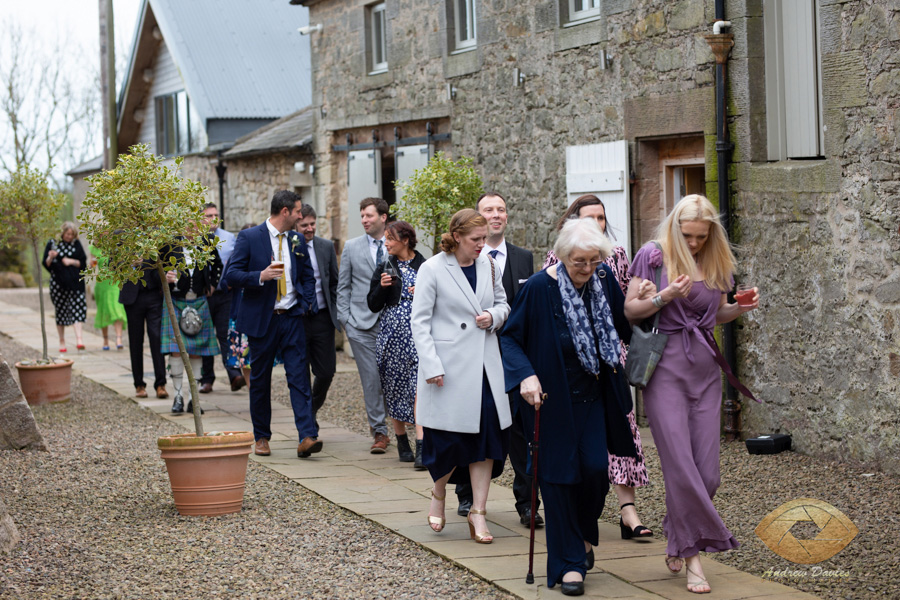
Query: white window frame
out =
(794, 97)
(468, 18)
(378, 28)
(182, 138)
(591, 12)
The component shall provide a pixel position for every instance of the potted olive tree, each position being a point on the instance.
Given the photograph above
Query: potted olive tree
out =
(29, 211)
(434, 193)
(135, 215)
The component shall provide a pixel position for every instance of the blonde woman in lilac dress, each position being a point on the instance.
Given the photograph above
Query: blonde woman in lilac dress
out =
(683, 398)
(625, 473)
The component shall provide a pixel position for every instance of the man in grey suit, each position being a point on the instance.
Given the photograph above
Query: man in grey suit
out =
(358, 261)
(321, 325)
(515, 265)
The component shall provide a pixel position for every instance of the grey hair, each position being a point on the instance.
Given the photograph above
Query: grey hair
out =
(581, 234)
(68, 226)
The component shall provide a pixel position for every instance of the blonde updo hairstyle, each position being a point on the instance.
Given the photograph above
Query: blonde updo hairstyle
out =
(461, 223)
(715, 259)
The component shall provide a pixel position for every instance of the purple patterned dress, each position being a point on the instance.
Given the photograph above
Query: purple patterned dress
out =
(631, 472)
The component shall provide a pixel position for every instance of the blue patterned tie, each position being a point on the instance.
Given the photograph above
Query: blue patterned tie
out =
(494, 253)
(379, 254)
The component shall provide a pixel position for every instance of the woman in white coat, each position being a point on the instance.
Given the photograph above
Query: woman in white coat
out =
(458, 307)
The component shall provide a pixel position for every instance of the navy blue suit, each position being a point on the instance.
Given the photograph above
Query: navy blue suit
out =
(269, 332)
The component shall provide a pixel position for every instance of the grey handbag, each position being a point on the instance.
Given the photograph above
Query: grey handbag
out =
(190, 322)
(646, 349)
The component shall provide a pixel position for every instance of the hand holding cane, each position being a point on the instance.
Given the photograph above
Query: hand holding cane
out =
(535, 446)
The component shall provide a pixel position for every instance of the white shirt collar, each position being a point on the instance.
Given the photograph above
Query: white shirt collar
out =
(501, 248)
(272, 230)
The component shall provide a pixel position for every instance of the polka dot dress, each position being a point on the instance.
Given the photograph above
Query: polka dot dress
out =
(70, 304)
(395, 352)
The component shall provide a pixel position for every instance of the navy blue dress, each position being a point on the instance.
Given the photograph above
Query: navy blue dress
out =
(442, 451)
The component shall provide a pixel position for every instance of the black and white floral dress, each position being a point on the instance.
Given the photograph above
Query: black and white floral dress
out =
(66, 284)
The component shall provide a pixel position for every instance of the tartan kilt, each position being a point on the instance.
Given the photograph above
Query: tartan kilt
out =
(202, 344)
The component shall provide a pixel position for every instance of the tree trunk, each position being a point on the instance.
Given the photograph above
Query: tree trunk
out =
(170, 306)
(40, 285)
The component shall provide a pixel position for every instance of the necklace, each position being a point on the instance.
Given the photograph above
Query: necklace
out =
(583, 288)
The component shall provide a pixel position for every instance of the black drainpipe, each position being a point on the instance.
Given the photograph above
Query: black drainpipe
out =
(220, 171)
(721, 44)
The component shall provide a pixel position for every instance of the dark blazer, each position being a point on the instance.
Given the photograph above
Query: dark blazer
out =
(252, 254)
(149, 282)
(379, 297)
(531, 346)
(519, 267)
(201, 281)
(326, 259)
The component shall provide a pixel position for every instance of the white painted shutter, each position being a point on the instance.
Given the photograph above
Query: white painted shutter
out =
(407, 160)
(363, 181)
(602, 170)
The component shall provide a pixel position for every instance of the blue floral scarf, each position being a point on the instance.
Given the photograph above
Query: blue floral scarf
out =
(580, 324)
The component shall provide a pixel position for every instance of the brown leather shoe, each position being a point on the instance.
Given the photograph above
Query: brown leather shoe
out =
(380, 445)
(262, 447)
(237, 383)
(161, 392)
(140, 392)
(308, 446)
(206, 388)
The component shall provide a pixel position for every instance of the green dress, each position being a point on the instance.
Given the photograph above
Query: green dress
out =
(109, 310)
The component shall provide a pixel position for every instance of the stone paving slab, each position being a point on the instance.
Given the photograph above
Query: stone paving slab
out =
(385, 491)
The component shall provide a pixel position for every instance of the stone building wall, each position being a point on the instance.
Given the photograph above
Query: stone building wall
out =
(821, 239)
(819, 236)
(249, 183)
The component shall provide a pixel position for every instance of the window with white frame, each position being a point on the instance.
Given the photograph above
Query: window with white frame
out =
(464, 24)
(377, 42)
(580, 10)
(794, 125)
(177, 125)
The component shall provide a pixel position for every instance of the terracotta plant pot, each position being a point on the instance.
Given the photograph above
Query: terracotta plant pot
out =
(42, 384)
(207, 474)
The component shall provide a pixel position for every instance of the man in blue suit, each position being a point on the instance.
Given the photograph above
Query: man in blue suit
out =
(274, 301)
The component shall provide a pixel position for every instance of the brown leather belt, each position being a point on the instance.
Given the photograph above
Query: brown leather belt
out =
(280, 311)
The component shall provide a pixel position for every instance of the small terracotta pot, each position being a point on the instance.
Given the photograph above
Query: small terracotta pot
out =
(42, 384)
(207, 473)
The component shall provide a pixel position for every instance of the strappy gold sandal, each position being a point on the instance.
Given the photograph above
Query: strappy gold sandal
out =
(692, 587)
(438, 521)
(480, 537)
(672, 559)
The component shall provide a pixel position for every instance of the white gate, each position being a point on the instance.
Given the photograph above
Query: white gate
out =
(406, 161)
(602, 170)
(363, 181)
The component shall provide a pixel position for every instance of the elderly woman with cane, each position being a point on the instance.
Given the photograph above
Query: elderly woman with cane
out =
(568, 367)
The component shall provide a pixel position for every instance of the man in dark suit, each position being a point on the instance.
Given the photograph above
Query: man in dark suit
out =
(143, 302)
(516, 265)
(320, 326)
(275, 299)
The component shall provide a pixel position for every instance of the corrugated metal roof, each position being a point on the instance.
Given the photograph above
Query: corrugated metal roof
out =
(239, 59)
(290, 132)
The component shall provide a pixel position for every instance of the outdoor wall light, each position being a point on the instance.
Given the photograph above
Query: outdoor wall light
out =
(518, 77)
(310, 28)
(605, 59)
(451, 91)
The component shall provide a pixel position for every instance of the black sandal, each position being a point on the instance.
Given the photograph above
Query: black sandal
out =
(627, 532)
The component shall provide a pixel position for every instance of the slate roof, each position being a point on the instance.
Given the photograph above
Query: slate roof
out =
(289, 133)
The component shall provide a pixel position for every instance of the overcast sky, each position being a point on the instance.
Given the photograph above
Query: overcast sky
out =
(78, 19)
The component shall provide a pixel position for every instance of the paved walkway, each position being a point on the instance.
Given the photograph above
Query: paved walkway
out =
(394, 495)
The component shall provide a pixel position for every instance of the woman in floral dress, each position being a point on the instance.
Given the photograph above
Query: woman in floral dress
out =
(625, 473)
(391, 292)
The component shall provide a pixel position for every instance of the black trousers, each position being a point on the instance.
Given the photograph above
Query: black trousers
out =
(518, 458)
(146, 309)
(321, 353)
(219, 309)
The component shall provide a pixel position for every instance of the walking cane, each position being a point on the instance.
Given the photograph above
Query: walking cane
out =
(535, 446)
